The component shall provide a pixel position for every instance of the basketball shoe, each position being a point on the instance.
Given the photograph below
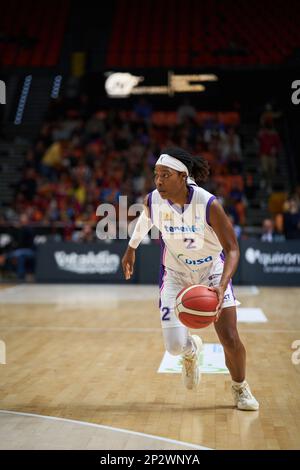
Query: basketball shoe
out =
(243, 398)
(190, 364)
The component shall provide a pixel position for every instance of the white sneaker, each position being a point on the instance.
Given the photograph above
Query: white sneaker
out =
(243, 398)
(190, 365)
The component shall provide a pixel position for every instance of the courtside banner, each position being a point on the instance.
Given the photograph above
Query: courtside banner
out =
(95, 262)
(261, 263)
(78, 262)
(270, 264)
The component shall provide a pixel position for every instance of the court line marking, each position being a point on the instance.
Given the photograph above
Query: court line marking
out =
(79, 328)
(10, 289)
(108, 428)
(253, 289)
(130, 330)
(149, 292)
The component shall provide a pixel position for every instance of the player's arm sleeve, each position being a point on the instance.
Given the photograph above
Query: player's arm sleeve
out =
(143, 225)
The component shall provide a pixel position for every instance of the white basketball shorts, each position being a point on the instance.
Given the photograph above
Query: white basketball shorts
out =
(171, 283)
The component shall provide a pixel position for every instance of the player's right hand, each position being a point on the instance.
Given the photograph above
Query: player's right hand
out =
(128, 261)
(220, 291)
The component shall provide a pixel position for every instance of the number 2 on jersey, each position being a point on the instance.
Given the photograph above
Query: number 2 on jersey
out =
(189, 243)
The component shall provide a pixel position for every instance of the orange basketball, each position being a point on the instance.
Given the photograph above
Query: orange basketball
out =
(196, 306)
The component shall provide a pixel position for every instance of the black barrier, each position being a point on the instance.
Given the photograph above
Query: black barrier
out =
(261, 263)
(237, 277)
(270, 264)
(98, 262)
(148, 263)
(95, 262)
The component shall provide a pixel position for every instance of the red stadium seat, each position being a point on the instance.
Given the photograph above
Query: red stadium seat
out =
(33, 21)
(191, 27)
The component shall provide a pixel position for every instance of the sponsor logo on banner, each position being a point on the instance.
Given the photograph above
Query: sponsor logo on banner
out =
(121, 84)
(277, 262)
(124, 84)
(102, 262)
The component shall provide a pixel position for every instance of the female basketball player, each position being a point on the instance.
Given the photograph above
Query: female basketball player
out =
(198, 247)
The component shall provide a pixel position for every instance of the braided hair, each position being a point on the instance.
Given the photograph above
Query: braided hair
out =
(198, 167)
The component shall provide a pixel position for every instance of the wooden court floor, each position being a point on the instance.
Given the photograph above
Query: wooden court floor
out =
(89, 355)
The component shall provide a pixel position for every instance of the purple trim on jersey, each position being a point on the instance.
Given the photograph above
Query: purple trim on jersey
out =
(211, 199)
(230, 283)
(162, 267)
(150, 205)
(161, 282)
(161, 275)
(190, 196)
(174, 207)
(191, 192)
(222, 256)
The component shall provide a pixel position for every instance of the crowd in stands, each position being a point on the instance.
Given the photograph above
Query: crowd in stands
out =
(284, 207)
(83, 158)
(284, 221)
(80, 161)
(269, 146)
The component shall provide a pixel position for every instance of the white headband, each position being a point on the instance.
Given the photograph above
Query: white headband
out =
(172, 162)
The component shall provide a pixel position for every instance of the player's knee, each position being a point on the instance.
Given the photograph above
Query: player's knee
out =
(230, 340)
(174, 347)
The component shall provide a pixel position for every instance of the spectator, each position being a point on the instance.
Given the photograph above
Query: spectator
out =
(143, 110)
(291, 219)
(23, 257)
(236, 227)
(270, 145)
(185, 112)
(250, 188)
(86, 235)
(95, 126)
(236, 195)
(277, 199)
(28, 185)
(213, 127)
(268, 232)
(268, 115)
(230, 145)
(52, 159)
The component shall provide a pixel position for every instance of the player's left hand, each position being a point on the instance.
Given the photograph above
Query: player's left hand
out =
(220, 291)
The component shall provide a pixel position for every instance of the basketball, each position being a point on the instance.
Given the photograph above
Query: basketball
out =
(196, 306)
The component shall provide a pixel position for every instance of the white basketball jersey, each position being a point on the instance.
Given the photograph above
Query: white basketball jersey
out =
(188, 241)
